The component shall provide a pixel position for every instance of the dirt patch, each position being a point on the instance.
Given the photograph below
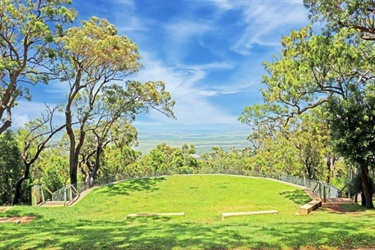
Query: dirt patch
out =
(3, 209)
(343, 206)
(23, 219)
(337, 208)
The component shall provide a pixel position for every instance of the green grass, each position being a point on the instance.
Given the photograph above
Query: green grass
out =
(99, 220)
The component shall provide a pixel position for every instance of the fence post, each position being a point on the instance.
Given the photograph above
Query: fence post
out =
(42, 193)
(320, 189)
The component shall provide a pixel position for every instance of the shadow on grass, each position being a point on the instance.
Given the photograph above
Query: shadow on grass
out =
(165, 233)
(16, 212)
(349, 208)
(298, 196)
(127, 187)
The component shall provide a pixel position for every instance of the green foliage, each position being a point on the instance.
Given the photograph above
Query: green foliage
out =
(335, 14)
(352, 123)
(297, 146)
(311, 70)
(55, 174)
(118, 160)
(26, 41)
(10, 166)
(220, 161)
(96, 46)
(168, 160)
(94, 56)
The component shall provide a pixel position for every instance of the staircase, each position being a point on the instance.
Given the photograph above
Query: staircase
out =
(62, 197)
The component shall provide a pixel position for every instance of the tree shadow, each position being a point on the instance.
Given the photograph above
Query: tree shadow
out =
(298, 196)
(17, 212)
(349, 209)
(167, 233)
(130, 186)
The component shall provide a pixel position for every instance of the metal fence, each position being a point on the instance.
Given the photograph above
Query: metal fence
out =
(66, 194)
(320, 188)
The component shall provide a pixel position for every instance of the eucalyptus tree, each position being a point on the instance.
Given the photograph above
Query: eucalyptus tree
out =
(26, 37)
(164, 159)
(313, 69)
(120, 104)
(337, 14)
(235, 161)
(296, 148)
(35, 138)
(121, 152)
(352, 123)
(94, 56)
(358, 16)
(91, 56)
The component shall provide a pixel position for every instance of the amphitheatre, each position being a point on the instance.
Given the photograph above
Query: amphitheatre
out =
(190, 211)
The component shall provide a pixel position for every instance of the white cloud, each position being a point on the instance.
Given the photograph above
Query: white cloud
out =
(192, 105)
(19, 120)
(129, 22)
(267, 21)
(126, 4)
(183, 30)
(223, 4)
(26, 111)
(228, 89)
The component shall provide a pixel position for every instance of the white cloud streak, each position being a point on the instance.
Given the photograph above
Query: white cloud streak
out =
(26, 111)
(265, 21)
(192, 105)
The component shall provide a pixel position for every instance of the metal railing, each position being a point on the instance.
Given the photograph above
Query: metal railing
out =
(66, 194)
(320, 188)
(39, 196)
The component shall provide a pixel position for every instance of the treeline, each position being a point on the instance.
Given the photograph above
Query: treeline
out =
(121, 160)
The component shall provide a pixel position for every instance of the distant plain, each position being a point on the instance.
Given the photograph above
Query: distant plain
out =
(225, 136)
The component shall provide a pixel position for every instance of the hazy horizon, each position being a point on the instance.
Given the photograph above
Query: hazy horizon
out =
(203, 137)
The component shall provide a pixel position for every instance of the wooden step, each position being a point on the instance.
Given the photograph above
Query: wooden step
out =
(224, 215)
(155, 214)
(53, 204)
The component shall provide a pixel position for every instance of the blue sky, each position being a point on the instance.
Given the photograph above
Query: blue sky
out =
(208, 52)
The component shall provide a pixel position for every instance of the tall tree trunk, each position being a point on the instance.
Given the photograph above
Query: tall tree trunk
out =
(97, 161)
(18, 185)
(363, 199)
(366, 186)
(73, 163)
(329, 164)
(73, 158)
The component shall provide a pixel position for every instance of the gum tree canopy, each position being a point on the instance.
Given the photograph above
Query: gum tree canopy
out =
(26, 33)
(334, 69)
(336, 14)
(357, 109)
(93, 57)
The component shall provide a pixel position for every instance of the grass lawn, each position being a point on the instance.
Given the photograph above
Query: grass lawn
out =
(99, 220)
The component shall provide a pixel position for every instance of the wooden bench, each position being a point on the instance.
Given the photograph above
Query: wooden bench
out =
(224, 215)
(310, 206)
(155, 214)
